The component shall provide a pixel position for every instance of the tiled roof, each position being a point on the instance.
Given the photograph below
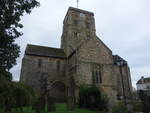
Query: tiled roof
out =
(143, 80)
(37, 50)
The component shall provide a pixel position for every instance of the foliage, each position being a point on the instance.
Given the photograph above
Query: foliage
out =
(145, 98)
(10, 16)
(120, 108)
(91, 97)
(60, 108)
(15, 95)
(137, 106)
(40, 102)
(30, 89)
(5, 87)
(21, 95)
(6, 95)
(5, 76)
(142, 95)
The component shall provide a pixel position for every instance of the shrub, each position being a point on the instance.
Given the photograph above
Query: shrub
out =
(6, 95)
(120, 108)
(137, 106)
(14, 95)
(145, 98)
(91, 97)
(21, 96)
(5, 89)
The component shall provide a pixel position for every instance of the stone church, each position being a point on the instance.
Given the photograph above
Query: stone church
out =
(82, 59)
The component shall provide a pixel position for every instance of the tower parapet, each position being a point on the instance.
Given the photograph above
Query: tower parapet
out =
(79, 25)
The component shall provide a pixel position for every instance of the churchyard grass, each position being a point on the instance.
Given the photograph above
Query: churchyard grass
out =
(60, 108)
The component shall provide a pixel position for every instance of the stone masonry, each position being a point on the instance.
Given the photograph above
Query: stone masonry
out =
(83, 59)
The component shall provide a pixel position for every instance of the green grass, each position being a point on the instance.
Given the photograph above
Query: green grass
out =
(60, 108)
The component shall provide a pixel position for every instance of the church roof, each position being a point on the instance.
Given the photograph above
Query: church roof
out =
(36, 50)
(118, 59)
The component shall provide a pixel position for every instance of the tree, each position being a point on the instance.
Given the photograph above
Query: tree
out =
(120, 108)
(5, 94)
(21, 95)
(145, 98)
(4, 75)
(10, 16)
(91, 97)
(15, 95)
(44, 98)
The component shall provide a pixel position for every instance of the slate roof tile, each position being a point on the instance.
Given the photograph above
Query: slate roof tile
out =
(37, 50)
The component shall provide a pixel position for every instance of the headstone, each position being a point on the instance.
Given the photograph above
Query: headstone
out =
(51, 104)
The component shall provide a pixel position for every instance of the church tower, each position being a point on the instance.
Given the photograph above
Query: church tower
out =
(79, 26)
(82, 60)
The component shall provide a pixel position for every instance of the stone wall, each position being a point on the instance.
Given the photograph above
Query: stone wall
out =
(79, 40)
(79, 26)
(35, 69)
(92, 54)
(124, 86)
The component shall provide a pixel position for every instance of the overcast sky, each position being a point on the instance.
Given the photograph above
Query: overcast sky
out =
(123, 25)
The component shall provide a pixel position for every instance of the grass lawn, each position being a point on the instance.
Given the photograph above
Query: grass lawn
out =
(60, 108)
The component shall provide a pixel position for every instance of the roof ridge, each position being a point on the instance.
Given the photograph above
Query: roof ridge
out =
(43, 46)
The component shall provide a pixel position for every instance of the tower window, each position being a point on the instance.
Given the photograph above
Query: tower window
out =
(82, 15)
(76, 34)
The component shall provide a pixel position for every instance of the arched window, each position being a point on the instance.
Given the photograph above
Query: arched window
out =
(96, 77)
(76, 34)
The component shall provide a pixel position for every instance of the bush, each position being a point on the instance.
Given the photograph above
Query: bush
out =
(14, 95)
(91, 97)
(22, 97)
(137, 106)
(5, 95)
(145, 98)
(5, 87)
(120, 108)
